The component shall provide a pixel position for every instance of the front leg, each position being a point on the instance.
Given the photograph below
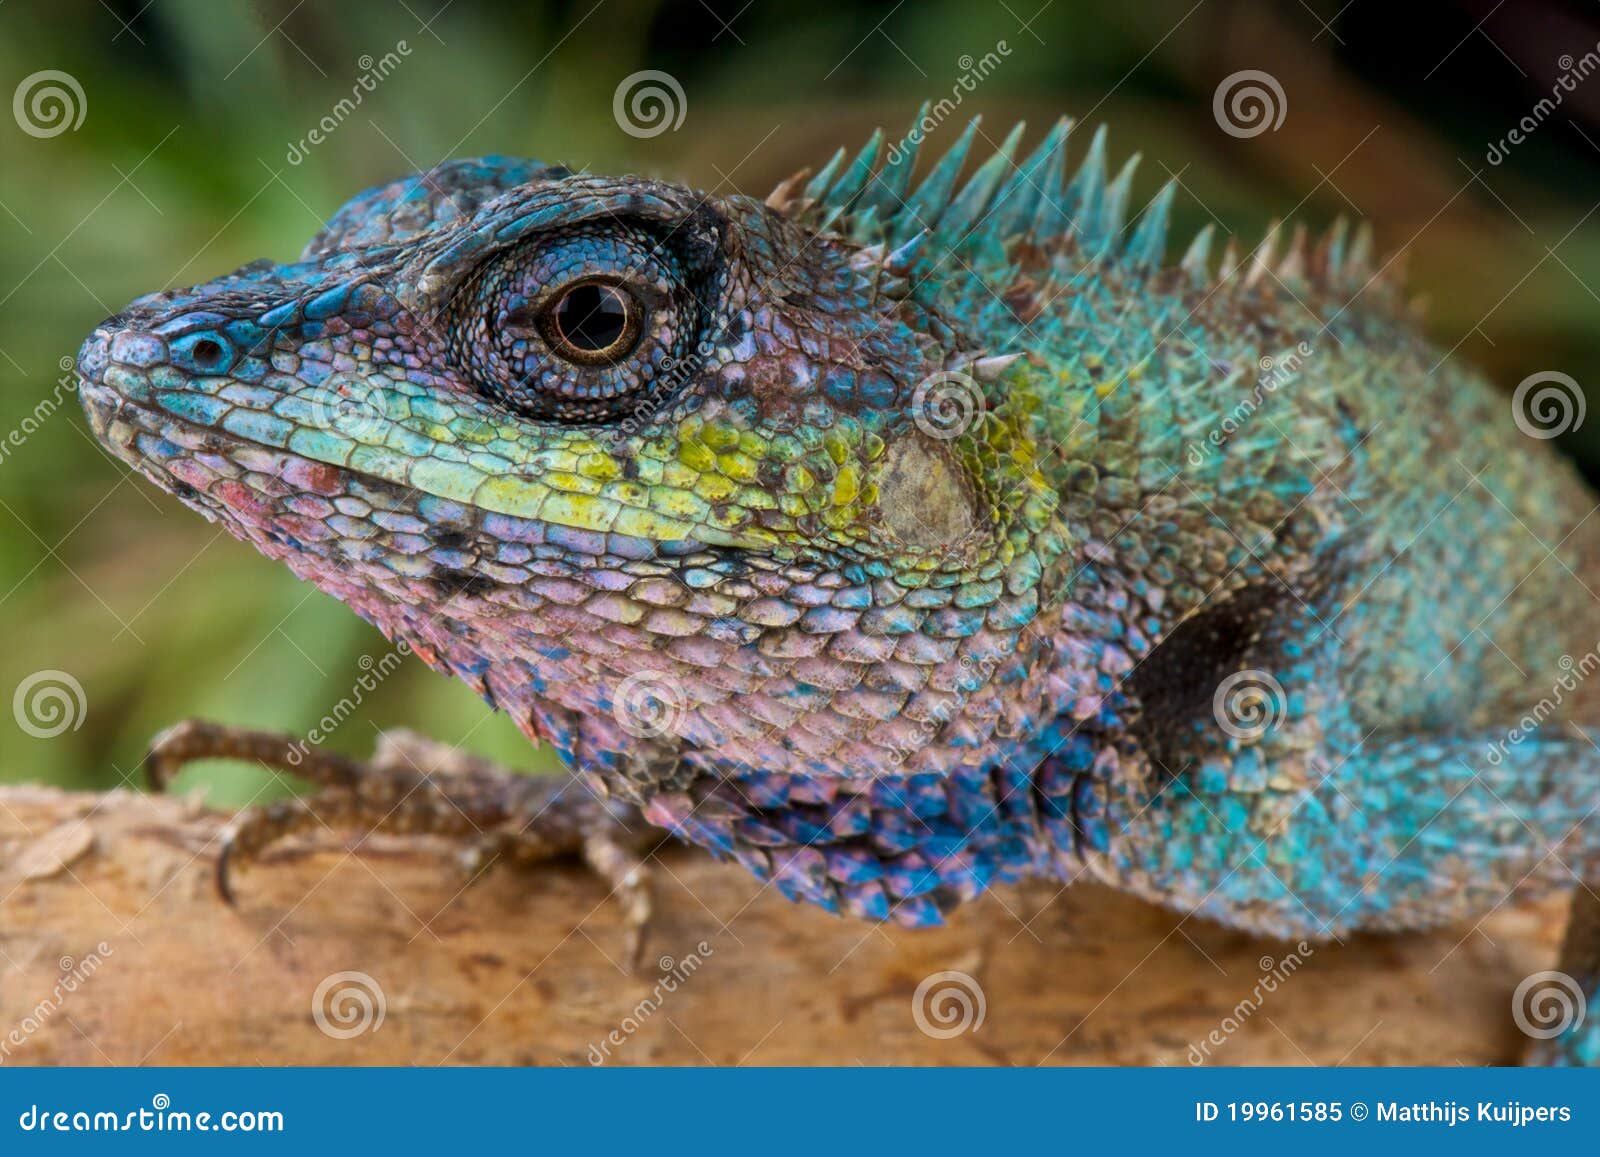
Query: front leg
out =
(416, 786)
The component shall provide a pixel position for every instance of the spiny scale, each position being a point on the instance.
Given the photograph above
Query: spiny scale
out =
(869, 198)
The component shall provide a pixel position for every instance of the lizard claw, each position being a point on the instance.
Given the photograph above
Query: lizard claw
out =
(415, 786)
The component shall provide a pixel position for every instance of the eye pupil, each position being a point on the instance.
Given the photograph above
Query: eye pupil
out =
(592, 318)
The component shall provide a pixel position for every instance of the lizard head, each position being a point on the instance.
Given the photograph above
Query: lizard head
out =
(562, 434)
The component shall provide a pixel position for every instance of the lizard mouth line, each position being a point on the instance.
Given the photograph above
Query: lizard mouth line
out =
(120, 423)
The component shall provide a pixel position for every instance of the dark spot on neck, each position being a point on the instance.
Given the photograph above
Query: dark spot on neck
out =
(450, 583)
(1175, 684)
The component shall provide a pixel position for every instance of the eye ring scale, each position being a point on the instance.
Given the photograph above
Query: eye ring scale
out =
(592, 321)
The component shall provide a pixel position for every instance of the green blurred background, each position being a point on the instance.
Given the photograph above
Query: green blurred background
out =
(180, 171)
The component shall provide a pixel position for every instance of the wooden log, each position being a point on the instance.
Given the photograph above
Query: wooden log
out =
(114, 949)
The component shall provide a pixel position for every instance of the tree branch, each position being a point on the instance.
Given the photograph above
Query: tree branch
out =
(115, 949)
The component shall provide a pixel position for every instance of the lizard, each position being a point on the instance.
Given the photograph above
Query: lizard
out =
(922, 527)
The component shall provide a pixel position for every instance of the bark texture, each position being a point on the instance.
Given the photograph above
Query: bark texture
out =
(115, 949)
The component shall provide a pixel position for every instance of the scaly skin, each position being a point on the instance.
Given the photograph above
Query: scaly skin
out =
(893, 652)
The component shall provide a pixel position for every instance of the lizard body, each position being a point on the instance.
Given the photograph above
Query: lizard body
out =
(1221, 592)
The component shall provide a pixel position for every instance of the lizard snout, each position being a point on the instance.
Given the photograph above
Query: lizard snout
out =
(92, 364)
(95, 352)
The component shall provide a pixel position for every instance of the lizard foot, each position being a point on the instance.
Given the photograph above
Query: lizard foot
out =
(413, 785)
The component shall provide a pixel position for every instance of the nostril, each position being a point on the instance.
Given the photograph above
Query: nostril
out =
(203, 353)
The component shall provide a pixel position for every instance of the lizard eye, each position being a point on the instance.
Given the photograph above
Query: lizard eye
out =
(592, 322)
(578, 326)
